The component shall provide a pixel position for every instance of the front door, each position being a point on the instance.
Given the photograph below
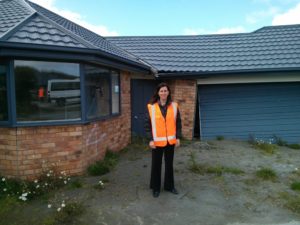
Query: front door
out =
(141, 93)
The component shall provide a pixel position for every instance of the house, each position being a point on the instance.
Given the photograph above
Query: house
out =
(65, 92)
(247, 84)
(68, 95)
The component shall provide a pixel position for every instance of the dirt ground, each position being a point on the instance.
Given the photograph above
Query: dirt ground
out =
(207, 199)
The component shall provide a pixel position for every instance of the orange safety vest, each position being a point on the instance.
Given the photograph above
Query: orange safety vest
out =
(163, 129)
(41, 92)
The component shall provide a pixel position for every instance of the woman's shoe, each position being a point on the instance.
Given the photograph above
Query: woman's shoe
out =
(155, 194)
(173, 191)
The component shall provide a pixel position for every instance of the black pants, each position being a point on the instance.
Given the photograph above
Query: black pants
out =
(155, 181)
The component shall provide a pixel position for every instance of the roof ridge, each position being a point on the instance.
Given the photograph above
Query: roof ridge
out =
(204, 35)
(275, 27)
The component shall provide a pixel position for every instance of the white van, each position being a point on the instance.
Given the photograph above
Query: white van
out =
(63, 91)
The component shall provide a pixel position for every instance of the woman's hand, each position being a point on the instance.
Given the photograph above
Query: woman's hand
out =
(151, 145)
(177, 143)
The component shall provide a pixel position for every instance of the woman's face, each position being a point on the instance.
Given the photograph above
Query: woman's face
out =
(163, 93)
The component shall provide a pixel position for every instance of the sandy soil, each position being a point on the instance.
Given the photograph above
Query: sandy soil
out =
(207, 199)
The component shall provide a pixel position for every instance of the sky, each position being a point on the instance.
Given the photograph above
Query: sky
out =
(175, 17)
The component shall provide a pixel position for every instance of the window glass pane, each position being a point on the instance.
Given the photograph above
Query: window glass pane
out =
(97, 81)
(115, 87)
(3, 94)
(47, 91)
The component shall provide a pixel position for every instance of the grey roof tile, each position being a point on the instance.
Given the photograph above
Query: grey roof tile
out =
(94, 39)
(274, 47)
(12, 13)
(38, 31)
(25, 22)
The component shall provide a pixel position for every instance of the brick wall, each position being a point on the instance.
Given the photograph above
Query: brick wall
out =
(184, 92)
(26, 151)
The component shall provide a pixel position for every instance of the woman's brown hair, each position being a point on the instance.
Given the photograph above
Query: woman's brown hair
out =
(155, 97)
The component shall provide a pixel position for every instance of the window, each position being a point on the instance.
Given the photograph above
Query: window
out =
(97, 87)
(3, 94)
(115, 86)
(47, 91)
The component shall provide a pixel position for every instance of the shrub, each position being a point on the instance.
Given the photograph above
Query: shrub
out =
(266, 147)
(295, 186)
(104, 166)
(66, 214)
(220, 138)
(294, 146)
(279, 141)
(27, 190)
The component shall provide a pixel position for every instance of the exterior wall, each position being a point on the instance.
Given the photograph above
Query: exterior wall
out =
(26, 151)
(184, 92)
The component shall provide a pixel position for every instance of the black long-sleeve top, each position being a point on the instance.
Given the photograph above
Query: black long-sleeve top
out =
(163, 109)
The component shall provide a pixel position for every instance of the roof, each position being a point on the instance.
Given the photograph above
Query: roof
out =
(267, 49)
(22, 21)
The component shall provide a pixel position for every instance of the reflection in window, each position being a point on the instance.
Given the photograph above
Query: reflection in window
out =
(3, 94)
(97, 86)
(115, 92)
(47, 91)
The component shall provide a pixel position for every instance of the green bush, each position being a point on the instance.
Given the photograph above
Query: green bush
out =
(220, 138)
(104, 166)
(294, 146)
(295, 186)
(279, 141)
(27, 190)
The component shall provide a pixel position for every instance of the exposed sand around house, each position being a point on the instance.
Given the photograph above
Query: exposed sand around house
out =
(227, 198)
(209, 199)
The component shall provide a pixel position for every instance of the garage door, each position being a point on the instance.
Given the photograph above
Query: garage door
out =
(263, 110)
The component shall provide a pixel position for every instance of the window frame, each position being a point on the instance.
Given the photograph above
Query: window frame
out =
(11, 95)
(119, 94)
(111, 115)
(7, 122)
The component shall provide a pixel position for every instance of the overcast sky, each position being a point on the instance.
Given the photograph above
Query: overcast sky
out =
(175, 17)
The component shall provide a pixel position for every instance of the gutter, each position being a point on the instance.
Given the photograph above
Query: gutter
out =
(203, 74)
(71, 50)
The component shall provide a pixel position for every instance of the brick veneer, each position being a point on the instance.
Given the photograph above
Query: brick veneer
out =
(25, 151)
(184, 92)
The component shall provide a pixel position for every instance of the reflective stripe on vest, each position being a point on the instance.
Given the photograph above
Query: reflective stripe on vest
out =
(163, 129)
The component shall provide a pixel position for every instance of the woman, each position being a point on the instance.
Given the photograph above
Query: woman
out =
(163, 127)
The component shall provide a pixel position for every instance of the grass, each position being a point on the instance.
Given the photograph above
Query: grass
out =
(220, 138)
(104, 166)
(206, 169)
(295, 186)
(280, 142)
(266, 174)
(67, 215)
(7, 204)
(185, 142)
(292, 202)
(76, 184)
(266, 147)
(294, 146)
